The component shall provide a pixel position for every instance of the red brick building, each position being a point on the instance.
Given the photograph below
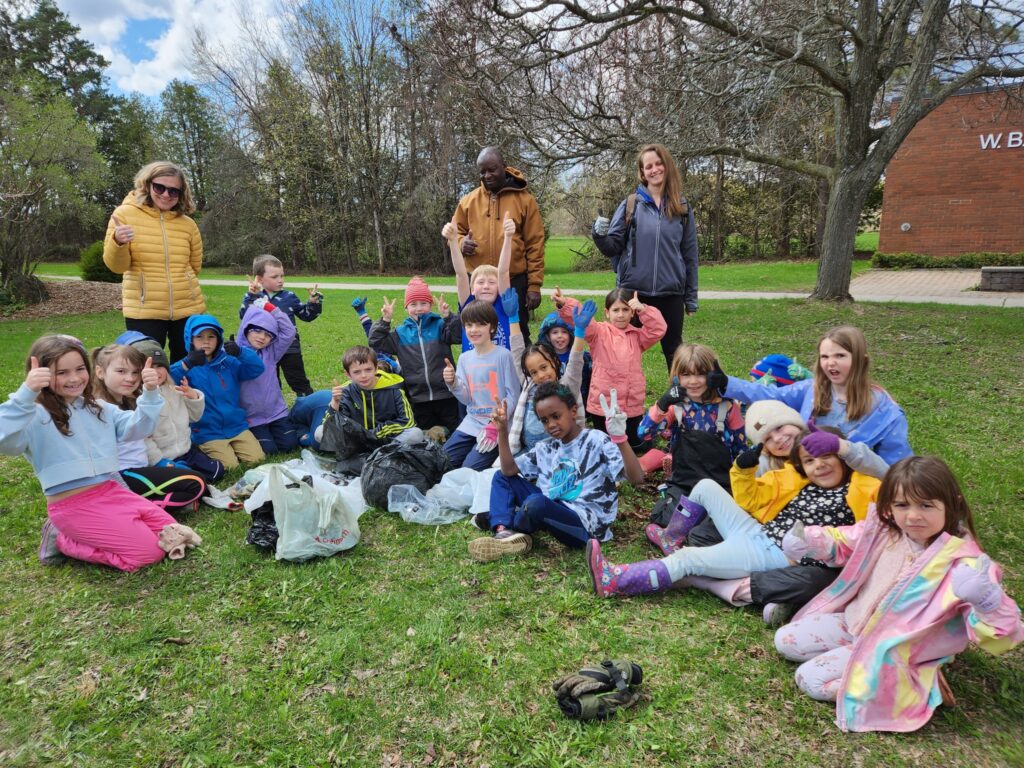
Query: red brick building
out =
(957, 183)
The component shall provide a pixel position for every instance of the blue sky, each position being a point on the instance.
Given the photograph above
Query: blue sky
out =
(150, 44)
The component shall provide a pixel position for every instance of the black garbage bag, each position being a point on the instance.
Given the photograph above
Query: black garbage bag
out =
(263, 531)
(395, 463)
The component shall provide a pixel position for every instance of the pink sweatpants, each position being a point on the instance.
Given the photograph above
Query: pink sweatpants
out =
(110, 525)
(824, 645)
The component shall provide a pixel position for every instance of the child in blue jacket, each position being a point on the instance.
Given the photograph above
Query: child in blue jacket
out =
(216, 368)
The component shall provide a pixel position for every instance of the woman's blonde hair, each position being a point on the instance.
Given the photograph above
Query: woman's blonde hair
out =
(859, 386)
(155, 170)
(103, 357)
(695, 359)
(673, 192)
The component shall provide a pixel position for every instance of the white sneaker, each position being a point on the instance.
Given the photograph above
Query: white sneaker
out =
(507, 542)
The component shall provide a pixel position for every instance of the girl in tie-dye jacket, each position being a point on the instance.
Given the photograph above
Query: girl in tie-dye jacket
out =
(915, 589)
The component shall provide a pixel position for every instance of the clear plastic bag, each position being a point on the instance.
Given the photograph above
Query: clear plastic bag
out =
(458, 494)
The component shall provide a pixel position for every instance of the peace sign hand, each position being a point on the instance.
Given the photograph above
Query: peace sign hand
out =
(387, 310)
(123, 233)
(442, 306)
(614, 418)
(186, 390)
(255, 286)
(315, 297)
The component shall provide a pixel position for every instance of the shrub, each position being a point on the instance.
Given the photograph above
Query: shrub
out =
(963, 261)
(91, 265)
(589, 259)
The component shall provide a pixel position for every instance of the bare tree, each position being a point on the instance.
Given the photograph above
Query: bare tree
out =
(585, 78)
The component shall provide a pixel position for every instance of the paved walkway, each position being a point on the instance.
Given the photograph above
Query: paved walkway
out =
(940, 286)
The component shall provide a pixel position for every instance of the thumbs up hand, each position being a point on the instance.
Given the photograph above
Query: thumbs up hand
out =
(449, 372)
(468, 245)
(508, 227)
(150, 377)
(794, 546)
(558, 298)
(38, 377)
(337, 390)
(123, 233)
(449, 231)
(635, 304)
(976, 586)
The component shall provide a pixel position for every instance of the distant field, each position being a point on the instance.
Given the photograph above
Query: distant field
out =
(786, 276)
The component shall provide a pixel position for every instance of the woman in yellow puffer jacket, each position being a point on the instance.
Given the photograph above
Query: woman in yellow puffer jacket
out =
(154, 244)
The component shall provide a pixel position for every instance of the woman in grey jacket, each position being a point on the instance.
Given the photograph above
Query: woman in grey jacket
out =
(652, 242)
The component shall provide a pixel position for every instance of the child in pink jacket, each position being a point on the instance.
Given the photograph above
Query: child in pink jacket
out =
(617, 348)
(915, 589)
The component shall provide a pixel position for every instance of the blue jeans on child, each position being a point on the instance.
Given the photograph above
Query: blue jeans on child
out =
(745, 548)
(462, 452)
(277, 437)
(519, 504)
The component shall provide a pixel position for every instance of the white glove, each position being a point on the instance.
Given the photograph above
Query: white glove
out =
(614, 418)
(601, 225)
(261, 302)
(487, 439)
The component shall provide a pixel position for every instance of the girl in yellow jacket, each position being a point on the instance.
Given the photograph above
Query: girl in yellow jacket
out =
(154, 244)
(829, 481)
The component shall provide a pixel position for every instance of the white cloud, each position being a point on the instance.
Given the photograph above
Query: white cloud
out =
(104, 24)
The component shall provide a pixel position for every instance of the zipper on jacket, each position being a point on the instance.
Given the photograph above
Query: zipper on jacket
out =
(423, 354)
(142, 287)
(167, 270)
(657, 248)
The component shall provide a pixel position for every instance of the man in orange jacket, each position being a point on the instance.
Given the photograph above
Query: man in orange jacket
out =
(502, 192)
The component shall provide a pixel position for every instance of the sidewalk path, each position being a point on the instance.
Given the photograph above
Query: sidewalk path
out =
(939, 286)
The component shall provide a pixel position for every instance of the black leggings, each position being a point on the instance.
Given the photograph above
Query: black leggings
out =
(171, 488)
(171, 331)
(673, 309)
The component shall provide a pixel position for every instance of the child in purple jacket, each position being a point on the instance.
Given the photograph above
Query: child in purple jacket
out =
(269, 332)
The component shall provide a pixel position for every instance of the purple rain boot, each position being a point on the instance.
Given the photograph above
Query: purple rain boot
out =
(637, 578)
(684, 518)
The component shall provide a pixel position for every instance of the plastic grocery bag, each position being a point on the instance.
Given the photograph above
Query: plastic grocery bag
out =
(313, 518)
(457, 495)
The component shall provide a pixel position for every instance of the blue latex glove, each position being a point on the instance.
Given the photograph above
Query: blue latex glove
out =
(359, 305)
(510, 303)
(581, 317)
(649, 427)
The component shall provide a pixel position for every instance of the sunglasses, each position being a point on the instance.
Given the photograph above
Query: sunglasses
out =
(160, 189)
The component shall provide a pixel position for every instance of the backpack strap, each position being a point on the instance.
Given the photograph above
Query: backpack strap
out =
(723, 415)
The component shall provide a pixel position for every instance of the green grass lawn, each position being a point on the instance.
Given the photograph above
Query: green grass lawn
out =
(404, 652)
(785, 276)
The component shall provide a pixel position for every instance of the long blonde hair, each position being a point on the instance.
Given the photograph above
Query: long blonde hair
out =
(155, 170)
(673, 192)
(859, 386)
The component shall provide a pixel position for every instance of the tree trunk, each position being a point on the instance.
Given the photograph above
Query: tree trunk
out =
(378, 233)
(717, 218)
(845, 201)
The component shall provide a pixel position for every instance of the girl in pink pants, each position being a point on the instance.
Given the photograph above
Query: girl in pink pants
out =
(70, 439)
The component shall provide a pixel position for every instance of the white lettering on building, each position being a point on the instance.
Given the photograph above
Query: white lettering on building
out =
(1014, 140)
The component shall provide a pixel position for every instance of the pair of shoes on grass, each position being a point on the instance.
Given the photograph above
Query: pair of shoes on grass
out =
(504, 542)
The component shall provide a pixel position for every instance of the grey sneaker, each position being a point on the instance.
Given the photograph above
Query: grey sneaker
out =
(776, 615)
(507, 542)
(48, 552)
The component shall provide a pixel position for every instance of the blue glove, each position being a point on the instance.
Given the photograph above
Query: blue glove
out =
(649, 427)
(510, 303)
(359, 305)
(581, 317)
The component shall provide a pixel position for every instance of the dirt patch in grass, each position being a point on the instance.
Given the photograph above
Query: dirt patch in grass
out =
(71, 297)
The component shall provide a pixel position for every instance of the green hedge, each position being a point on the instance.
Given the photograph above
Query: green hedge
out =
(92, 267)
(963, 261)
